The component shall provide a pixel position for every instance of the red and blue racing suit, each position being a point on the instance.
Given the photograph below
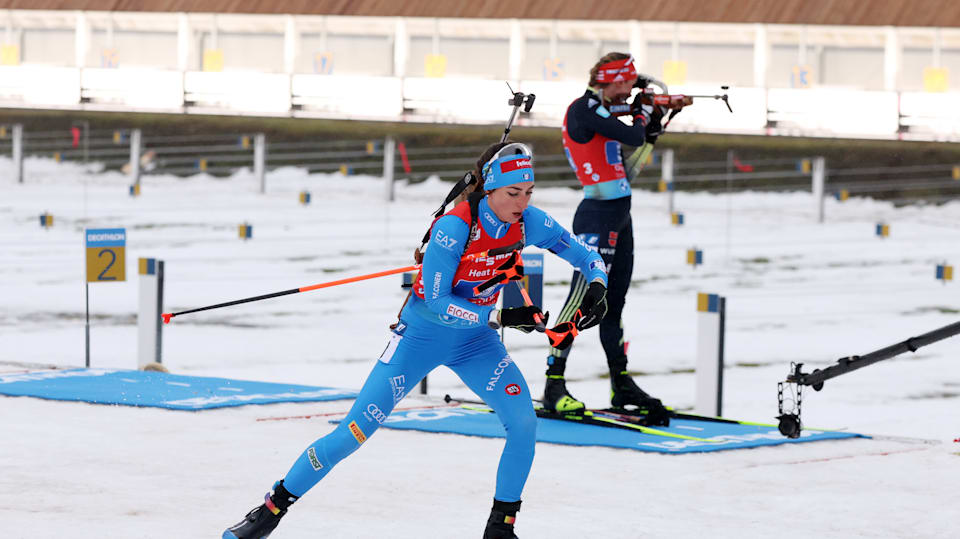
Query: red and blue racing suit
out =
(445, 323)
(592, 138)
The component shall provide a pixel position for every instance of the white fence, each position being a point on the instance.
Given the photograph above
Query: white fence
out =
(823, 112)
(864, 82)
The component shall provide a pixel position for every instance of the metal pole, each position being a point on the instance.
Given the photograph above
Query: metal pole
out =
(667, 167)
(388, 151)
(87, 332)
(848, 364)
(730, 158)
(86, 141)
(135, 156)
(18, 152)
(159, 358)
(819, 180)
(260, 160)
(723, 318)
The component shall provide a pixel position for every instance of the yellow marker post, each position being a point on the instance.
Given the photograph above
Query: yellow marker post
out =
(956, 173)
(883, 230)
(56, 156)
(305, 197)
(106, 262)
(245, 231)
(842, 195)
(676, 218)
(804, 166)
(694, 257)
(46, 220)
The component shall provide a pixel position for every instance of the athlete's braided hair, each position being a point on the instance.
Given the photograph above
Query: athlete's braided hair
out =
(609, 57)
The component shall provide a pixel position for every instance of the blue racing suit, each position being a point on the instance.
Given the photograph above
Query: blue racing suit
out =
(448, 326)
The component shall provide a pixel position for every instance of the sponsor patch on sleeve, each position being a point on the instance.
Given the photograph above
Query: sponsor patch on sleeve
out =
(464, 314)
(357, 433)
(314, 461)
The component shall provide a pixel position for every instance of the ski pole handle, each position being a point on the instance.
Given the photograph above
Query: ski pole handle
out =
(540, 326)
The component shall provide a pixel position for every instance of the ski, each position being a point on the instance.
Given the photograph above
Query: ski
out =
(589, 417)
(636, 415)
(586, 418)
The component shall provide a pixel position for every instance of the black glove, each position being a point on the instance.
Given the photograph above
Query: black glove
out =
(654, 127)
(642, 112)
(593, 307)
(522, 318)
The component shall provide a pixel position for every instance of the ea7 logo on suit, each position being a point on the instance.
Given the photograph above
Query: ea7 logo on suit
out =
(444, 240)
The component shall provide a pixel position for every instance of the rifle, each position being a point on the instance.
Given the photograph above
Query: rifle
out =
(672, 102)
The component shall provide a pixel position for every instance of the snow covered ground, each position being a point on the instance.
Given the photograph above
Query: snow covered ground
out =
(796, 291)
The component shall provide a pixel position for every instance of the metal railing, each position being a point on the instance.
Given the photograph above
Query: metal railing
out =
(225, 154)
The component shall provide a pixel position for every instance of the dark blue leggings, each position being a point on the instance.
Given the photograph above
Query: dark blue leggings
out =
(605, 226)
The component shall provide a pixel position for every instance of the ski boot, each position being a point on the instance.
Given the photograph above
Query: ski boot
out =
(500, 523)
(624, 391)
(556, 398)
(261, 521)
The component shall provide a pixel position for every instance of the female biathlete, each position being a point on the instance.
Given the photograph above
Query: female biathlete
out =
(451, 319)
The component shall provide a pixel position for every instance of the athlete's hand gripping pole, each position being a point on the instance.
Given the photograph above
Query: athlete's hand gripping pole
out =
(512, 270)
(490, 252)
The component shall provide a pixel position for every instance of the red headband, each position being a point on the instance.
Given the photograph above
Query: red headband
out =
(617, 70)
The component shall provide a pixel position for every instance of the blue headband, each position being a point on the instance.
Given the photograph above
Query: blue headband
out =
(504, 170)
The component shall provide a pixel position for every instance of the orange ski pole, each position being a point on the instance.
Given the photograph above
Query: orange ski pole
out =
(540, 325)
(168, 316)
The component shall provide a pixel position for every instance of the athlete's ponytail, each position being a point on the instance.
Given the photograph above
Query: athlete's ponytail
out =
(484, 157)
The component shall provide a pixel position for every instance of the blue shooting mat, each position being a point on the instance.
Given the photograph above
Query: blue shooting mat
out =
(158, 389)
(726, 435)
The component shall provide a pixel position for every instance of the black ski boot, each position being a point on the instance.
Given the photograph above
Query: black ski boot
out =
(261, 520)
(500, 523)
(624, 391)
(556, 398)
